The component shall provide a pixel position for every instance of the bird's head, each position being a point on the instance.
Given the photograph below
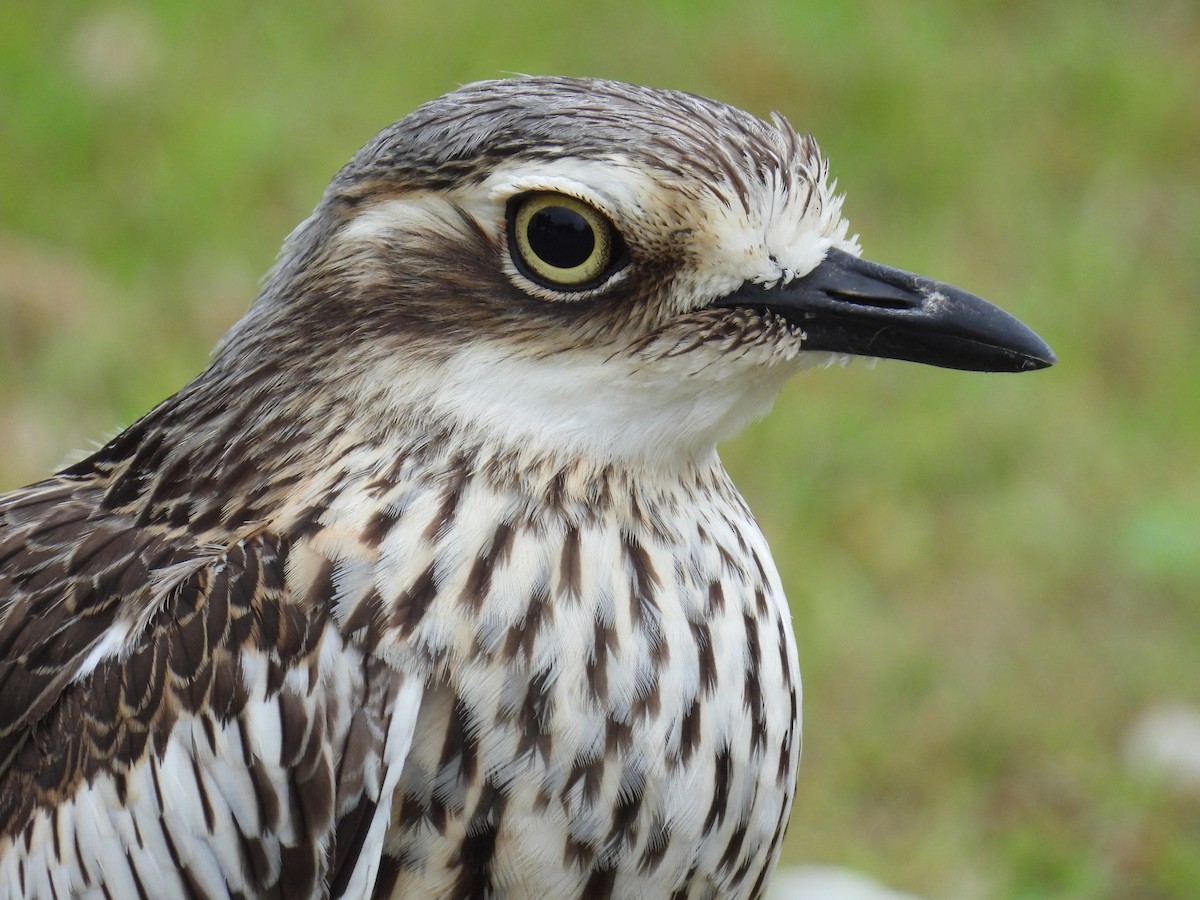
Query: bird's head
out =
(598, 267)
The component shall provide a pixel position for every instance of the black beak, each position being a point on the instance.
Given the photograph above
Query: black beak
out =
(852, 305)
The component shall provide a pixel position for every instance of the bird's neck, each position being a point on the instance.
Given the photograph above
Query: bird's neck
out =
(221, 458)
(660, 418)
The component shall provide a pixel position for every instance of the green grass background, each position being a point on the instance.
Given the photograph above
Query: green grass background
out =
(991, 576)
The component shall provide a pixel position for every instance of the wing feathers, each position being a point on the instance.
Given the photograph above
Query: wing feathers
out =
(173, 721)
(403, 711)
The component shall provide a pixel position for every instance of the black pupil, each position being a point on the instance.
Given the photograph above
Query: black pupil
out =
(560, 237)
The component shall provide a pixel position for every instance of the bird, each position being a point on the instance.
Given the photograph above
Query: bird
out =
(432, 583)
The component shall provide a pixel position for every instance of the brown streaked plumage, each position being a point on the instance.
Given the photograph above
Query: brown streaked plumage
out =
(432, 584)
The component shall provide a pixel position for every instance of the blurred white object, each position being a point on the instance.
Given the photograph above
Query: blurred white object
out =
(828, 883)
(1164, 743)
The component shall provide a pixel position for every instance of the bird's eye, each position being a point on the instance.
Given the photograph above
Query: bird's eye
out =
(559, 241)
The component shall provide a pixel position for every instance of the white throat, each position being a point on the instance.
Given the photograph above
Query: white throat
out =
(605, 410)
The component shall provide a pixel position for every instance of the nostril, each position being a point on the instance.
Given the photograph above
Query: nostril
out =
(875, 299)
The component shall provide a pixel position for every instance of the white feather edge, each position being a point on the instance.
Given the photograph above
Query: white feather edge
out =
(398, 743)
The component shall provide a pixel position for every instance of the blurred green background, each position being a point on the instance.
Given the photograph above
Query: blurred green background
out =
(992, 576)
